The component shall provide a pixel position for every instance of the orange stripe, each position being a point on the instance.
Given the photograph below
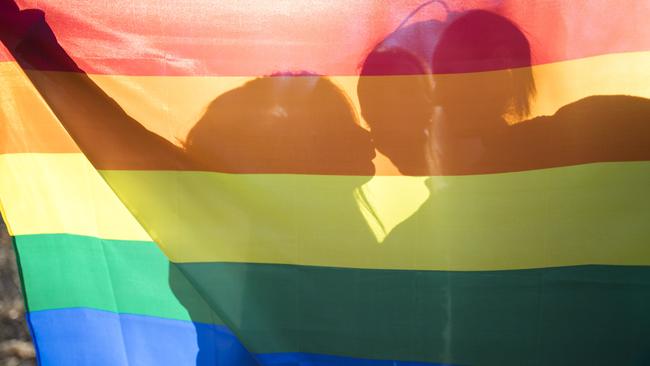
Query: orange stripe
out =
(597, 129)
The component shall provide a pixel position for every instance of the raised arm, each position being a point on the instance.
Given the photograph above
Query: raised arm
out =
(102, 129)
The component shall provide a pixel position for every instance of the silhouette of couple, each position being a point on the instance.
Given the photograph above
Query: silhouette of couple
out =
(436, 118)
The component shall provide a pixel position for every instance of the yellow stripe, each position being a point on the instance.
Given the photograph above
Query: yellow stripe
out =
(61, 193)
(171, 105)
(589, 214)
(561, 83)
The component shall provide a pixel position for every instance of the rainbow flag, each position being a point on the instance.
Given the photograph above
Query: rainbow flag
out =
(363, 183)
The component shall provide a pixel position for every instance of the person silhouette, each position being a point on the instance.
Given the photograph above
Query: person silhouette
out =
(284, 124)
(456, 136)
(398, 109)
(282, 115)
(468, 130)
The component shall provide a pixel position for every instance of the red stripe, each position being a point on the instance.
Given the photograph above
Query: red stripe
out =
(163, 37)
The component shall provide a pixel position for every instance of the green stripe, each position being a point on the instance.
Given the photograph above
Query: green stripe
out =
(68, 271)
(563, 316)
(493, 318)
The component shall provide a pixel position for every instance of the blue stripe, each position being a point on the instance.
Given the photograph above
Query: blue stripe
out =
(83, 336)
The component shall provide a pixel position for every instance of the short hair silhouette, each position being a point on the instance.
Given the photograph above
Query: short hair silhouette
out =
(480, 40)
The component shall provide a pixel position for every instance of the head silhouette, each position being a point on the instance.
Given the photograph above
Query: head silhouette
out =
(481, 73)
(395, 91)
(397, 106)
(296, 123)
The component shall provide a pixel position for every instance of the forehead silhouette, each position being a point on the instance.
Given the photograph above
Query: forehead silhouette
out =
(393, 61)
(406, 51)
